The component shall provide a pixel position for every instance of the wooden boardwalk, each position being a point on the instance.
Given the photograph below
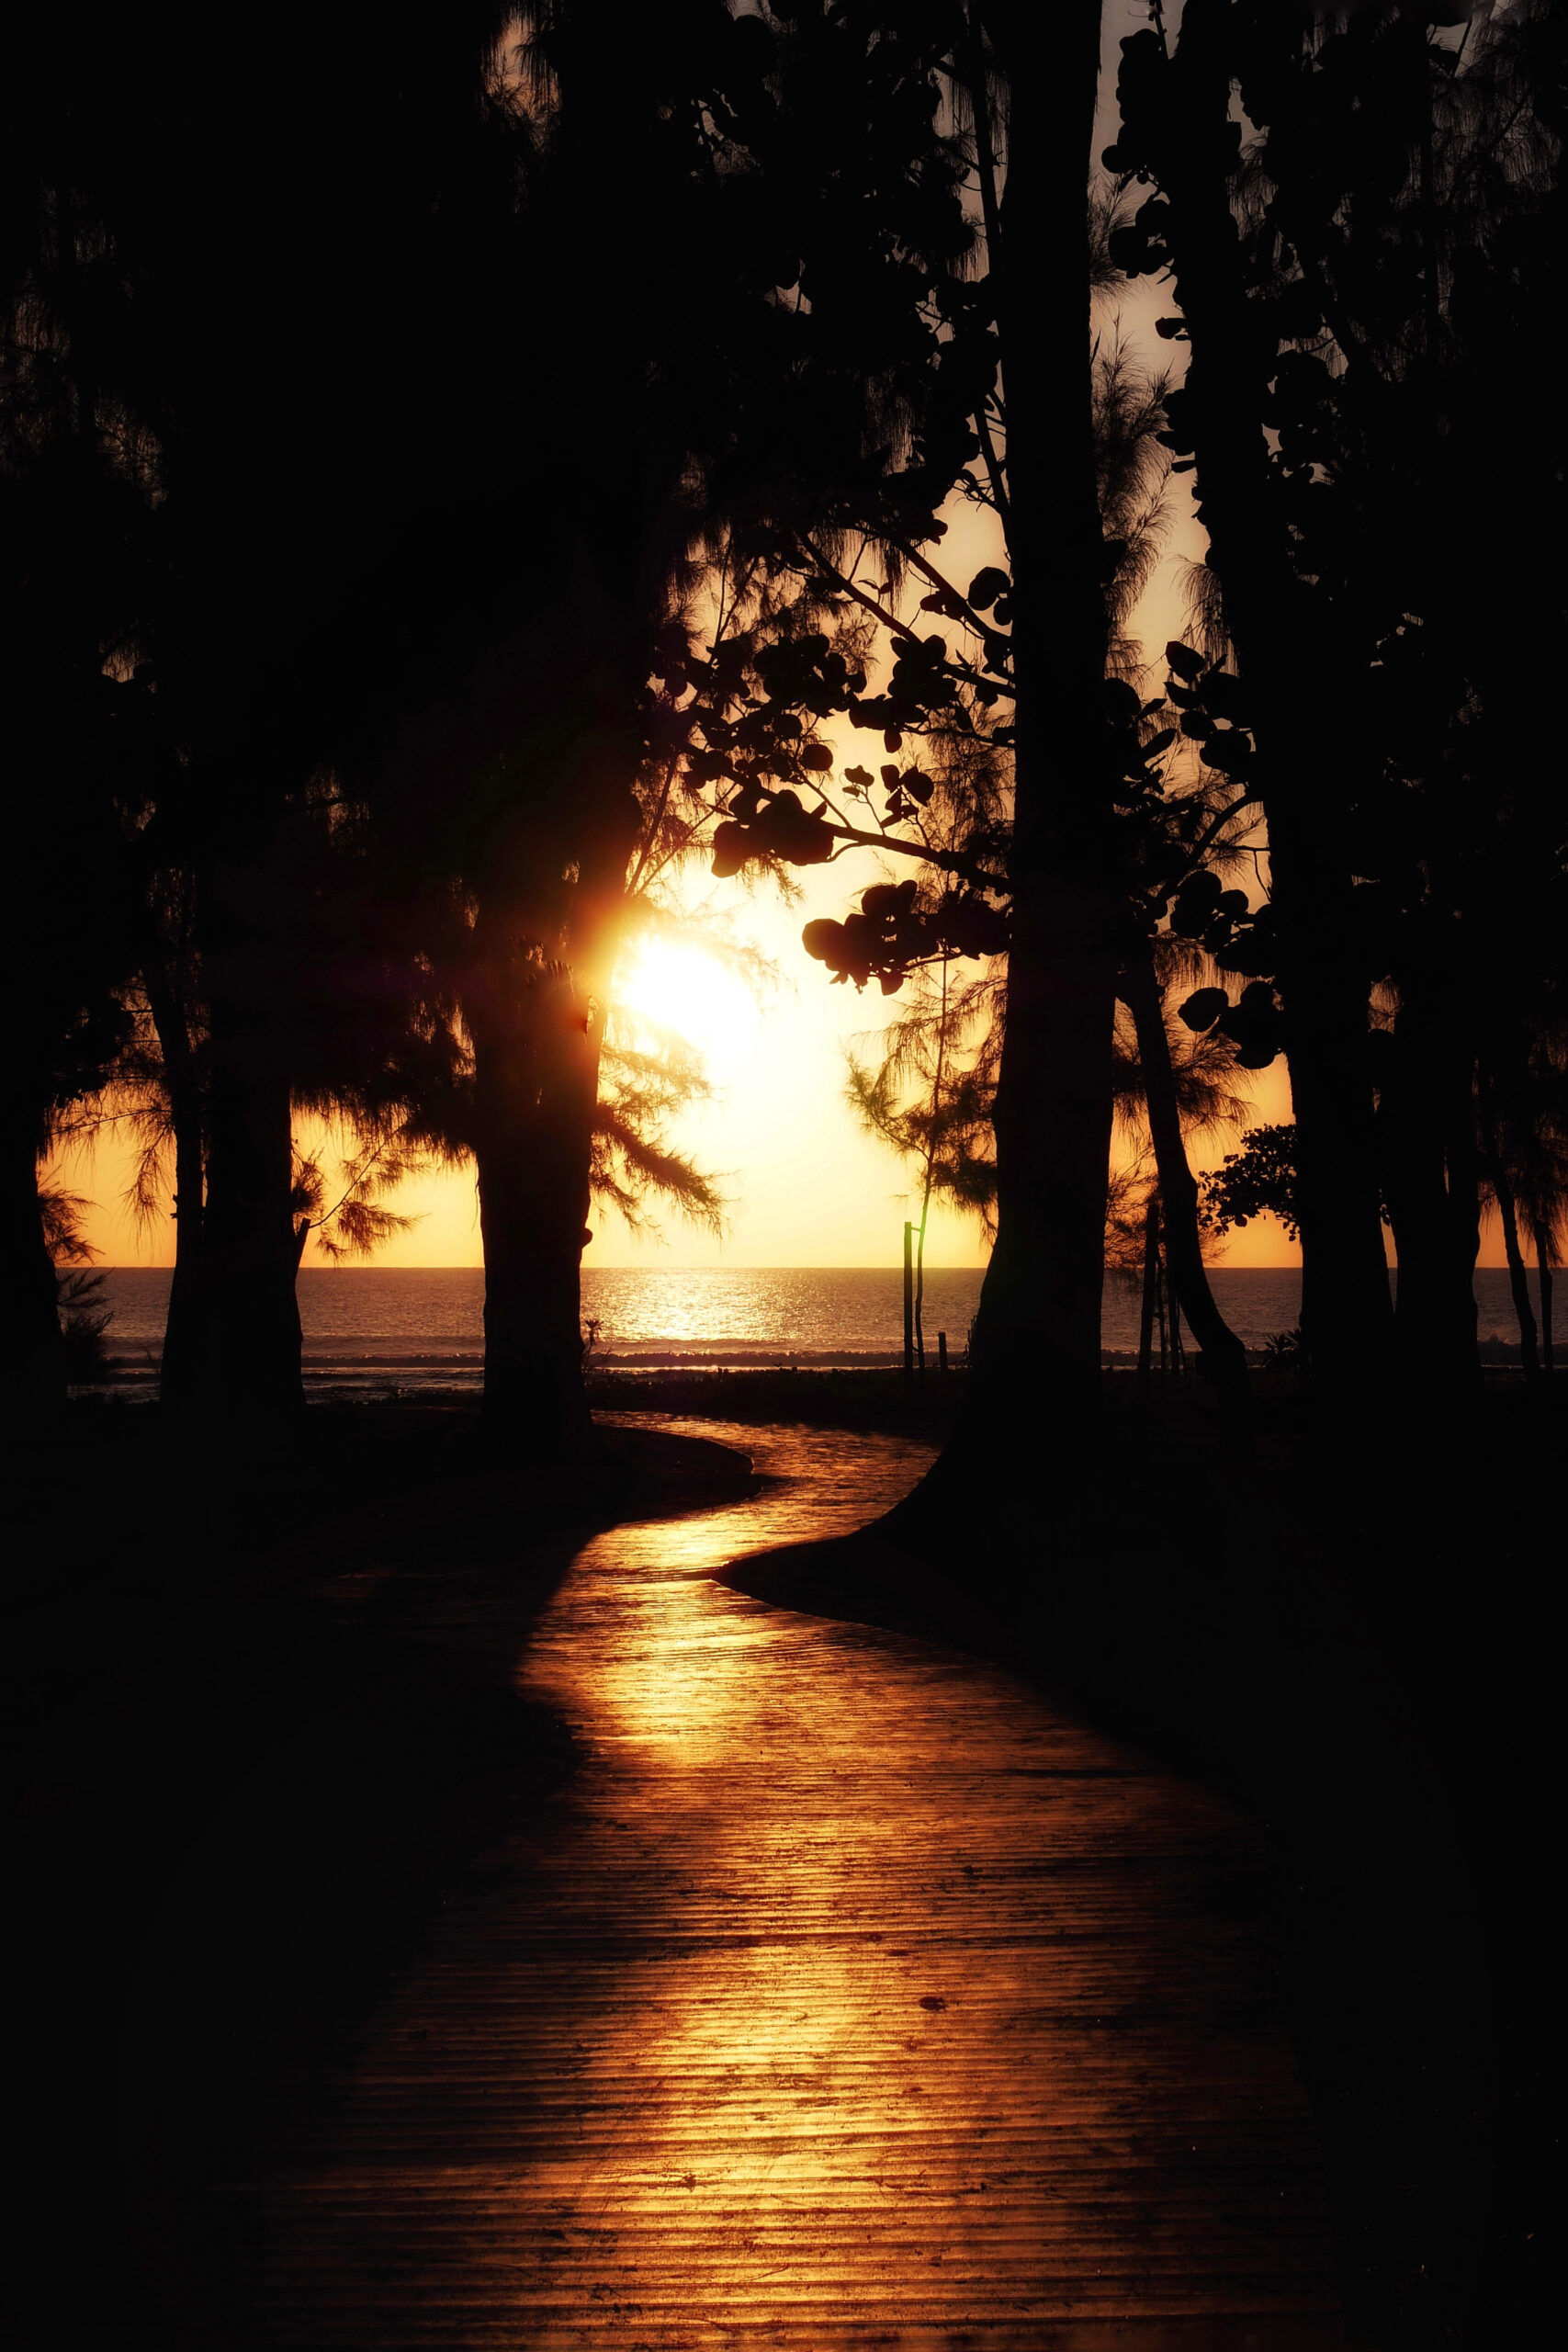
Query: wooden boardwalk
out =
(851, 1993)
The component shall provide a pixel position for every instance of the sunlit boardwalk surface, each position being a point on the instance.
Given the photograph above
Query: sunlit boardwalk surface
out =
(851, 1993)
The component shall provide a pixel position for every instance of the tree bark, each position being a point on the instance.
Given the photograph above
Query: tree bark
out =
(246, 1317)
(180, 1377)
(1347, 1316)
(1035, 1372)
(1543, 1283)
(181, 1363)
(537, 1042)
(1519, 1281)
(1151, 1287)
(1225, 1358)
(1428, 1182)
(544, 962)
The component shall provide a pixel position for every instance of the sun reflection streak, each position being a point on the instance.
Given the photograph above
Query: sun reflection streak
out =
(851, 1993)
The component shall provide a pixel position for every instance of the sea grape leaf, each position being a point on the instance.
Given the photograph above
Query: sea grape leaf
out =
(986, 585)
(1203, 1008)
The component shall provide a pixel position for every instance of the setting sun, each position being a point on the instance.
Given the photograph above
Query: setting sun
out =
(688, 991)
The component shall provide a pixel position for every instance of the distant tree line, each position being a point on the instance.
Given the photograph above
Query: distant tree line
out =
(457, 468)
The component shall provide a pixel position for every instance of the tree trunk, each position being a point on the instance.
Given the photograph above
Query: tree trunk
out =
(247, 1319)
(181, 1374)
(1151, 1287)
(536, 1045)
(1429, 1186)
(1519, 1281)
(1036, 1375)
(34, 1346)
(1347, 1317)
(1223, 1357)
(1347, 1309)
(546, 957)
(1544, 1282)
(1037, 1333)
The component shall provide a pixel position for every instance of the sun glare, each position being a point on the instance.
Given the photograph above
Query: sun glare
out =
(685, 989)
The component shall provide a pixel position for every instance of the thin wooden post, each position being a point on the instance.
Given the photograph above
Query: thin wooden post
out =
(909, 1302)
(942, 1353)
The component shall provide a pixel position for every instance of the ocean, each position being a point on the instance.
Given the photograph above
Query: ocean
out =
(381, 1330)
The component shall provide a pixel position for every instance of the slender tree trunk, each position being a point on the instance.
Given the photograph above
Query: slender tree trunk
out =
(930, 1166)
(920, 1295)
(1151, 1287)
(180, 1379)
(1518, 1279)
(181, 1372)
(1544, 1282)
(1225, 1358)
(34, 1347)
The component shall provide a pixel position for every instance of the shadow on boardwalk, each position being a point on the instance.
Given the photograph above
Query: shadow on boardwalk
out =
(806, 1982)
(452, 1918)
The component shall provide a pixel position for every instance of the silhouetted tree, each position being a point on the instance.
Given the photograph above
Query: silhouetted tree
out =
(74, 516)
(1351, 258)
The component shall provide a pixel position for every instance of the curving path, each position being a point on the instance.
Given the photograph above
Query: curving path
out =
(851, 1993)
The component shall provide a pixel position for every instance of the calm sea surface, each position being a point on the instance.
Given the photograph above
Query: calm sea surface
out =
(375, 1329)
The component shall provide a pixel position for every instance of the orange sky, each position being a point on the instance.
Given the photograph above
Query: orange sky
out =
(806, 1186)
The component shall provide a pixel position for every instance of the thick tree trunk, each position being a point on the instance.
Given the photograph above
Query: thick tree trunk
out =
(1346, 1316)
(1432, 1206)
(1225, 1358)
(1035, 1399)
(245, 1314)
(1037, 1333)
(34, 1347)
(1347, 1309)
(538, 1008)
(551, 881)
(537, 1044)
